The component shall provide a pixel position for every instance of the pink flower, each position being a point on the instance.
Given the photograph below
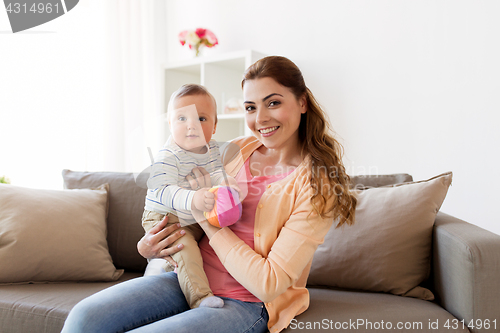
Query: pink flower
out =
(212, 40)
(195, 39)
(192, 38)
(201, 32)
(182, 37)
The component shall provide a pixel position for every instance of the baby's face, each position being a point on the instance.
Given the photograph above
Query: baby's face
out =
(192, 122)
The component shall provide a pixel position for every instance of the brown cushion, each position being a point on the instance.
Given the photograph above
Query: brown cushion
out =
(126, 205)
(368, 181)
(388, 248)
(54, 235)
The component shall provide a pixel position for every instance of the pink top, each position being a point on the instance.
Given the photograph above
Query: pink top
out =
(221, 282)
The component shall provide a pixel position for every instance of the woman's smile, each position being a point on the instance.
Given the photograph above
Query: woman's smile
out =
(268, 131)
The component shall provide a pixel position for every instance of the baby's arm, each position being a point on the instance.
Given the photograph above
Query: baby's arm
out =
(163, 185)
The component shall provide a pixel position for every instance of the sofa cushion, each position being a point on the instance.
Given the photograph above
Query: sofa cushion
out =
(388, 248)
(44, 306)
(358, 311)
(369, 181)
(126, 205)
(54, 235)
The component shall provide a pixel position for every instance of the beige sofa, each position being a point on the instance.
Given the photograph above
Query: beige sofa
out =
(464, 278)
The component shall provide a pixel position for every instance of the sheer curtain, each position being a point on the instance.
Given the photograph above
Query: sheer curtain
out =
(82, 93)
(135, 101)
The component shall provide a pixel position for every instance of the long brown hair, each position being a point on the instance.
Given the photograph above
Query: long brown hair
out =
(329, 179)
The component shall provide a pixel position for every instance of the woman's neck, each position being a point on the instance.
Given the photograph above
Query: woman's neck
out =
(267, 161)
(284, 157)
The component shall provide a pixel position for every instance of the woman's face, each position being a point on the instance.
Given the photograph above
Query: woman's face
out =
(273, 112)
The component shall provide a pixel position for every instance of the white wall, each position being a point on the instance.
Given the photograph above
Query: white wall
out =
(410, 86)
(77, 92)
(52, 102)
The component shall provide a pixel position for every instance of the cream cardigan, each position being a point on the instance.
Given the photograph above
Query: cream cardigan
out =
(285, 239)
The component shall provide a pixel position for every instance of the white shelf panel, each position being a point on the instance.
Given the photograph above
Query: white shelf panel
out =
(231, 116)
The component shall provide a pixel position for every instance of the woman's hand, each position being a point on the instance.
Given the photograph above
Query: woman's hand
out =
(156, 242)
(199, 178)
(209, 229)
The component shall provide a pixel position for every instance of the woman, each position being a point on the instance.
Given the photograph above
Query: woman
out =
(297, 187)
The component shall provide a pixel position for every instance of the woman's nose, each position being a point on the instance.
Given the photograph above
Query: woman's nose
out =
(262, 115)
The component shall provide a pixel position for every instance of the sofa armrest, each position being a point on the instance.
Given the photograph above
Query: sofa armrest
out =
(466, 271)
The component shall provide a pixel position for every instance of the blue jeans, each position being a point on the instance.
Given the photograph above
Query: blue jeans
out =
(156, 304)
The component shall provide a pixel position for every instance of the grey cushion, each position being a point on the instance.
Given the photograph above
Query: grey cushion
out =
(44, 306)
(343, 308)
(363, 256)
(39, 241)
(126, 205)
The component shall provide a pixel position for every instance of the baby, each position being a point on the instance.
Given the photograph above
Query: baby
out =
(192, 118)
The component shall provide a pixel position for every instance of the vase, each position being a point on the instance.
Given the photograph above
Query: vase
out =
(196, 50)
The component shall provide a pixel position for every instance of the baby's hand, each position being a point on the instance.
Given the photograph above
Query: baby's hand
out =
(231, 182)
(203, 200)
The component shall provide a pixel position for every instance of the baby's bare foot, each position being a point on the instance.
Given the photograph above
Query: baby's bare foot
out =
(212, 302)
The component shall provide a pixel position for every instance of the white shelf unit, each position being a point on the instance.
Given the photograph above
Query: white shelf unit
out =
(221, 75)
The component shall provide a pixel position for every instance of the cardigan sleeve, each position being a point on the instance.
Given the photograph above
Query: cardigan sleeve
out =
(269, 275)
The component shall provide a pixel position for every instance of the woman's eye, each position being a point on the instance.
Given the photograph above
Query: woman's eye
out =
(274, 103)
(249, 108)
(203, 119)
